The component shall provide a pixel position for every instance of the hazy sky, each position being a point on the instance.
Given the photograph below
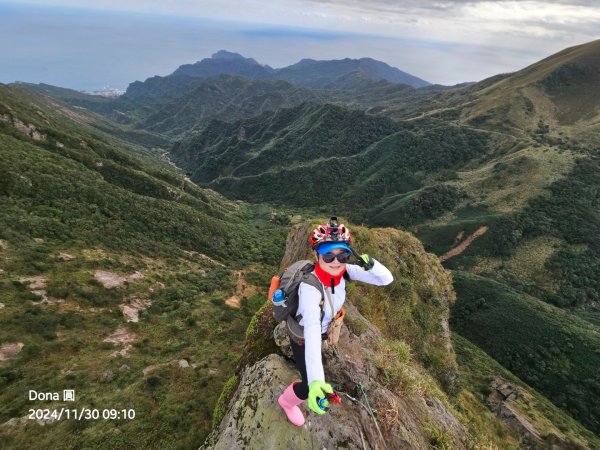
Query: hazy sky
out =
(90, 44)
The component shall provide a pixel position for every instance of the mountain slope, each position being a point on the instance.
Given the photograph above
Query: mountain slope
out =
(368, 158)
(114, 276)
(381, 347)
(556, 98)
(225, 98)
(490, 174)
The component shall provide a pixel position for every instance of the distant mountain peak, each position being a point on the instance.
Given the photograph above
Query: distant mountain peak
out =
(224, 54)
(225, 62)
(308, 72)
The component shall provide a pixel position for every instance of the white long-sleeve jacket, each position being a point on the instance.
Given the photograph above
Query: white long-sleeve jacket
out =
(309, 298)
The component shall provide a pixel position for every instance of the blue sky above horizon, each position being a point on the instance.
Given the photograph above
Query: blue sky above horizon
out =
(71, 44)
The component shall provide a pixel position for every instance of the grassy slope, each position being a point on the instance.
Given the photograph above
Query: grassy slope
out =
(534, 187)
(549, 348)
(115, 208)
(478, 369)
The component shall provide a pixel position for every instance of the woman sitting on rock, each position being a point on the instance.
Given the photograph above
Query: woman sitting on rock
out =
(321, 316)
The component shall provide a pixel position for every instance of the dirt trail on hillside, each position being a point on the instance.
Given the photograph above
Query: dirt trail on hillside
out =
(243, 289)
(464, 244)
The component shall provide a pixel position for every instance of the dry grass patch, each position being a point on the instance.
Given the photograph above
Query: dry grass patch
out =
(508, 183)
(529, 259)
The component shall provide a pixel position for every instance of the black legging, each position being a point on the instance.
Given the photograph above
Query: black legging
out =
(300, 389)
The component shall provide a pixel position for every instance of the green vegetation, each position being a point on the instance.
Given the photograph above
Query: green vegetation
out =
(477, 371)
(228, 390)
(67, 189)
(438, 439)
(517, 153)
(378, 166)
(550, 349)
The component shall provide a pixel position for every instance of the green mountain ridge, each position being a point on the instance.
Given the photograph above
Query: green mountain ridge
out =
(506, 155)
(331, 74)
(483, 158)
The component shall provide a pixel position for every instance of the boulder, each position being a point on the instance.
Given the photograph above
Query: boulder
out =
(107, 376)
(253, 418)
(183, 364)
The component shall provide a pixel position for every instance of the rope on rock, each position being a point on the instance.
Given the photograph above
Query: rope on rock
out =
(360, 386)
(366, 405)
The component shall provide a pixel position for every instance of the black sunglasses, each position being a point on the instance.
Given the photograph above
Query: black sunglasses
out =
(343, 257)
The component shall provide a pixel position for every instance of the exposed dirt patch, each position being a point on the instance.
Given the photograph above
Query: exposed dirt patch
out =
(111, 280)
(132, 308)
(9, 351)
(204, 257)
(37, 286)
(464, 244)
(234, 301)
(35, 283)
(123, 337)
(65, 257)
(242, 289)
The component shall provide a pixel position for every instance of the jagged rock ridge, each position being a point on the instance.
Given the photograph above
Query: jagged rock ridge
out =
(367, 369)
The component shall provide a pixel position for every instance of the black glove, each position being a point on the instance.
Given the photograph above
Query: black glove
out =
(366, 262)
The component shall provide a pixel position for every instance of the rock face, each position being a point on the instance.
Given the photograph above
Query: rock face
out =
(375, 367)
(502, 401)
(131, 310)
(112, 280)
(255, 420)
(415, 308)
(8, 351)
(124, 338)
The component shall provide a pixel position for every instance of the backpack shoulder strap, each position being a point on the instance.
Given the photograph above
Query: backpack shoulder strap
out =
(312, 280)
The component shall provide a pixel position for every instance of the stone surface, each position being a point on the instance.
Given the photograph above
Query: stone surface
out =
(183, 364)
(502, 400)
(123, 337)
(65, 257)
(112, 280)
(9, 351)
(149, 369)
(131, 310)
(253, 419)
(107, 376)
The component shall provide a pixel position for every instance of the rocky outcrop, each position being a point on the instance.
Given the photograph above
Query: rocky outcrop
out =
(388, 400)
(503, 401)
(121, 337)
(112, 280)
(415, 308)
(131, 309)
(9, 351)
(255, 420)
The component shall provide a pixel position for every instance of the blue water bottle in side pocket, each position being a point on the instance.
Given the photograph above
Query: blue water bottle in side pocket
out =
(279, 298)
